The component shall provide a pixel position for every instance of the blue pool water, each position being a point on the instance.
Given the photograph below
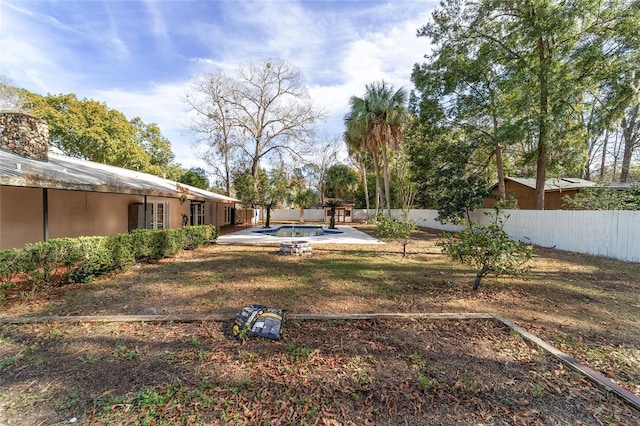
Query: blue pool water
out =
(295, 231)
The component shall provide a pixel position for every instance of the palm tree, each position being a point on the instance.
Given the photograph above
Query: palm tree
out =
(377, 120)
(341, 182)
(361, 162)
(303, 198)
(332, 204)
(354, 148)
(357, 142)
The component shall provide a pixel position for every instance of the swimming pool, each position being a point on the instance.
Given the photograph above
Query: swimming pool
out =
(296, 231)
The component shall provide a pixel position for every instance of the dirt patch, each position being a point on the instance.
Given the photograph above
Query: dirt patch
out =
(355, 372)
(108, 373)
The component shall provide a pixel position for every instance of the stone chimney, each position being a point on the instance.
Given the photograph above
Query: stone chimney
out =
(24, 135)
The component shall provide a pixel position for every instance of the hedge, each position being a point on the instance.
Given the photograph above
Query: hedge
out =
(80, 260)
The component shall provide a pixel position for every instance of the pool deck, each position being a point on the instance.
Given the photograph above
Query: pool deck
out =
(349, 235)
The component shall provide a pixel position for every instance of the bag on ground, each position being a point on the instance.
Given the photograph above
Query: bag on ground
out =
(259, 321)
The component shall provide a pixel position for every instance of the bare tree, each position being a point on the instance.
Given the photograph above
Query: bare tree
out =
(213, 123)
(261, 111)
(325, 156)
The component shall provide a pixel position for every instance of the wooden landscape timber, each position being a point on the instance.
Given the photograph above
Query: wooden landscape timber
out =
(227, 317)
(592, 375)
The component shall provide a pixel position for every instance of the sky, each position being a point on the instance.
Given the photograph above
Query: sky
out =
(139, 56)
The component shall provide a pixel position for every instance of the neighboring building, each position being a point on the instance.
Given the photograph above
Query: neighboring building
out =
(623, 186)
(45, 196)
(344, 212)
(523, 190)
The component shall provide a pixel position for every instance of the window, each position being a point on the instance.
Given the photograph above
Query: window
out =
(159, 212)
(227, 214)
(197, 213)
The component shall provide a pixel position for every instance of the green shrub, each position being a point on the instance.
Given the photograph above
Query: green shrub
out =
(13, 265)
(89, 257)
(170, 242)
(139, 242)
(142, 243)
(604, 197)
(122, 252)
(156, 244)
(63, 260)
(198, 236)
(46, 261)
(212, 233)
(390, 228)
(489, 248)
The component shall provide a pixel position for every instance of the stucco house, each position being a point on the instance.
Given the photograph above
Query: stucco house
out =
(45, 196)
(524, 191)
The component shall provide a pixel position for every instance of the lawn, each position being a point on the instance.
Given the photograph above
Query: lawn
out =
(327, 372)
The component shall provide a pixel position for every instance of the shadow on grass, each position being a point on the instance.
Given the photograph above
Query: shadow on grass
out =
(384, 372)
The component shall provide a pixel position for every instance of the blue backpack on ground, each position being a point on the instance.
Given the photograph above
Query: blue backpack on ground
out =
(259, 321)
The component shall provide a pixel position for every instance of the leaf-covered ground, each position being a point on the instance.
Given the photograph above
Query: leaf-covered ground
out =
(326, 372)
(322, 372)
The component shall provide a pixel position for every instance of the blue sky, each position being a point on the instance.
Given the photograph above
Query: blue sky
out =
(138, 56)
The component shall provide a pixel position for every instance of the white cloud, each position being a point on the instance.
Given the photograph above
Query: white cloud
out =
(339, 46)
(388, 54)
(161, 104)
(158, 26)
(36, 66)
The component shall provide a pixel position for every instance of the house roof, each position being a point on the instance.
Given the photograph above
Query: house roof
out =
(623, 186)
(554, 184)
(61, 172)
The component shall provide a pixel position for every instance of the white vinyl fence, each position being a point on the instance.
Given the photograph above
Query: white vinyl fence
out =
(293, 215)
(611, 233)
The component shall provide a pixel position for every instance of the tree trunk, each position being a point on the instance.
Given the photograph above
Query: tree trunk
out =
(604, 154)
(366, 188)
(376, 167)
(387, 190)
(267, 223)
(301, 214)
(541, 177)
(227, 172)
(541, 167)
(476, 282)
(332, 218)
(630, 130)
(254, 173)
(626, 163)
(502, 192)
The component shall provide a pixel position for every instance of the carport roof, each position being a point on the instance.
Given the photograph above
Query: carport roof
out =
(61, 172)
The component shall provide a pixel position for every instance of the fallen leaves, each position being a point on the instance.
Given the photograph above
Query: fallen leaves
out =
(321, 373)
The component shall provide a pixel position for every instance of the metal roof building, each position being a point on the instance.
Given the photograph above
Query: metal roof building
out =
(61, 172)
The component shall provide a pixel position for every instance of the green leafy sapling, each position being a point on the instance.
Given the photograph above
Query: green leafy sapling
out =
(390, 228)
(489, 248)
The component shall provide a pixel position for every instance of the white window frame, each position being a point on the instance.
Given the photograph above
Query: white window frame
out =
(159, 214)
(198, 216)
